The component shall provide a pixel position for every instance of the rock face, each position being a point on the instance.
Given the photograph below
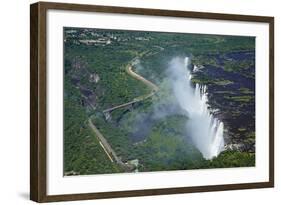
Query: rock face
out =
(231, 89)
(79, 72)
(235, 147)
(94, 78)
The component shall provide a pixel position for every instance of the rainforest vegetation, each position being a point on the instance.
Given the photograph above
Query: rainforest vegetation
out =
(145, 135)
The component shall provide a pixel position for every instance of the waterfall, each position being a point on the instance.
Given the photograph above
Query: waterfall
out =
(205, 130)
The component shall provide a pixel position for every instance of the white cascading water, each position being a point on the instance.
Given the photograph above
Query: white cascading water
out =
(205, 130)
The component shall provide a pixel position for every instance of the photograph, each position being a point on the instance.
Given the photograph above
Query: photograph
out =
(146, 101)
(129, 101)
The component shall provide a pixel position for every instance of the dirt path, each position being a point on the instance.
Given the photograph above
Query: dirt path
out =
(102, 140)
(152, 86)
(105, 145)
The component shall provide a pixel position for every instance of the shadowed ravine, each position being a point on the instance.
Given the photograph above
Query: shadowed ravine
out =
(203, 128)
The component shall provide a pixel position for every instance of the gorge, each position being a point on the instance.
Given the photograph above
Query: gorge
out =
(205, 130)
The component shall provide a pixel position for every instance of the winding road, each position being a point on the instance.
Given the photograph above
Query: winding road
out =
(102, 140)
(153, 87)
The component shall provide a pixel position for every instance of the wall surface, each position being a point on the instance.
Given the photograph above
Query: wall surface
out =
(14, 109)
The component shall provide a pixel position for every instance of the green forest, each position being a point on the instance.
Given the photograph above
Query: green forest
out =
(134, 138)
